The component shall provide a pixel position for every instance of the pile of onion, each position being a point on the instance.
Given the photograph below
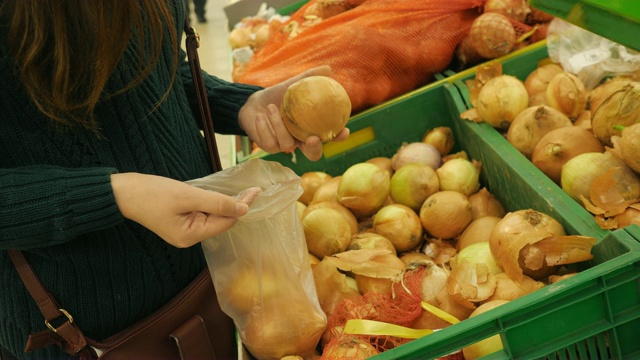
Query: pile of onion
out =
(532, 124)
(315, 105)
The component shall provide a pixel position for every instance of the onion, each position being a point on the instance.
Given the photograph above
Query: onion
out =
(400, 224)
(310, 182)
(532, 124)
(348, 215)
(629, 145)
(413, 183)
(538, 80)
(567, 93)
(300, 207)
(513, 233)
(459, 175)
(489, 345)
(492, 35)
(466, 54)
(315, 105)
(579, 173)
(477, 253)
(313, 260)
(240, 37)
(514, 9)
(369, 240)
(383, 162)
(332, 286)
(380, 285)
(249, 287)
(501, 99)
(416, 152)
(326, 231)
(561, 145)
(364, 189)
(629, 217)
(349, 347)
(261, 34)
(293, 330)
(478, 230)
(483, 203)
(614, 103)
(434, 279)
(441, 138)
(446, 214)
(447, 303)
(328, 191)
(471, 283)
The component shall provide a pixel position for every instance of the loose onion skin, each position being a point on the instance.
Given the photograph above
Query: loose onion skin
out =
(315, 105)
(532, 124)
(501, 99)
(561, 145)
(514, 232)
(446, 214)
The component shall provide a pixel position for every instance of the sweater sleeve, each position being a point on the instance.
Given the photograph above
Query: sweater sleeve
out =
(46, 205)
(225, 98)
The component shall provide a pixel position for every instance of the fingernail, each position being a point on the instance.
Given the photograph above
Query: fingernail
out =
(272, 109)
(241, 208)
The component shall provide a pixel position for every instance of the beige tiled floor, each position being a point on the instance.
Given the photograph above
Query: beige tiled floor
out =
(215, 58)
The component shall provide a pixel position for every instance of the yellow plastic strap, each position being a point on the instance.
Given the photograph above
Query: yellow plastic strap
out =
(378, 328)
(440, 313)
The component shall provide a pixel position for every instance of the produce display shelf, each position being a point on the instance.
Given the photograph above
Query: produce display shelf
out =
(617, 20)
(594, 314)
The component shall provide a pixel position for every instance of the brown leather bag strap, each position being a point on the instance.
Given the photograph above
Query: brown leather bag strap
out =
(192, 43)
(67, 335)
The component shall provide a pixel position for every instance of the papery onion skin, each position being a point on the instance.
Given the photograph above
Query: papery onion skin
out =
(501, 99)
(364, 189)
(380, 285)
(413, 183)
(579, 173)
(532, 124)
(514, 232)
(371, 240)
(401, 225)
(315, 105)
(630, 146)
(567, 93)
(483, 203)
(615, 103)
(459, 175)
(561, 145)
(416, 152)
(446, 214)
(348, 347)
(477, 253)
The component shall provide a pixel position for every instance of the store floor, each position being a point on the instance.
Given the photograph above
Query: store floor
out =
(215, 58)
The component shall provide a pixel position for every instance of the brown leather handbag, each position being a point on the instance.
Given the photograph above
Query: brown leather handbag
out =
(190, 326)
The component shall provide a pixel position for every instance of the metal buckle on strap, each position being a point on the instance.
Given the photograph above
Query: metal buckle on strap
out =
(196, 35)
(69, 317)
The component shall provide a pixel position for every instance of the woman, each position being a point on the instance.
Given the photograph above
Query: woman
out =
(97, 136)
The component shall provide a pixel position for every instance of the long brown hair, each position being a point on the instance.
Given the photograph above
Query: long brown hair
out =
(66, 50)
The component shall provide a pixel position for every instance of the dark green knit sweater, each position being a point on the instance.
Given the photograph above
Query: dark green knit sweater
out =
(57, 205)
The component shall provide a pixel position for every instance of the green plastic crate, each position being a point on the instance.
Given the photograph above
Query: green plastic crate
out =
(618, 20)
(596, 312)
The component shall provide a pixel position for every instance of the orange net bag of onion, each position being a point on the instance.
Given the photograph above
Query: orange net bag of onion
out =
(378, 49)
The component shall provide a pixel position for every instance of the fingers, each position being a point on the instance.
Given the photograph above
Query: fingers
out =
(312, 148)
(342, 135)
(272, 135)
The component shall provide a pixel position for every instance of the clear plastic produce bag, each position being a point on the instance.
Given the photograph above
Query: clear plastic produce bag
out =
(260, 267)
(587, 55)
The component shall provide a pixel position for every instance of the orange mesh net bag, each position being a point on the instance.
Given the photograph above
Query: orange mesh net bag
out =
(378, 49)
(401, 307)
